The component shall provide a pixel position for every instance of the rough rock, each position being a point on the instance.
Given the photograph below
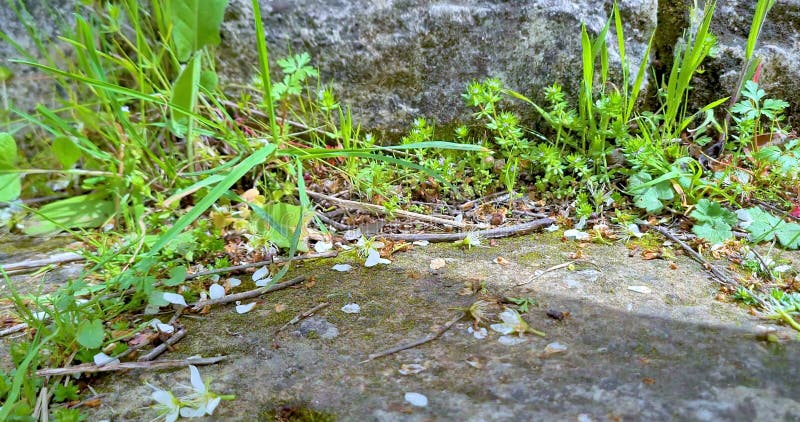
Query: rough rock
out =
(394, 61)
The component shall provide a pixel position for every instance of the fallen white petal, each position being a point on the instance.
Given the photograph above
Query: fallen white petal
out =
(420, 243)
(104, 359)
(321, 247)
(351, 308)
(437, 264)
(216, 291)
(554, 348)
(511, 340)
(174, 298)
(342, 268)
(260, 273)
(234, 282)
(243, 309)
(782, 268)
(479, 334)
(640, 289)
(417, 399)
(551, 228)
(374, 258)
(634, 229)
(263, 282)
(573, 234)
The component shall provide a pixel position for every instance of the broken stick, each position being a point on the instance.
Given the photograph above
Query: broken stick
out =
(89, 368)
(494, 233)
(416, 343)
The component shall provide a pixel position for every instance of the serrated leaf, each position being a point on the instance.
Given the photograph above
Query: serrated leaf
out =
(195, 24)
(66, 151)
(764, 225)
(714, 233)
(177, 275)
(90, 333)
(789, 235)
(712, 212)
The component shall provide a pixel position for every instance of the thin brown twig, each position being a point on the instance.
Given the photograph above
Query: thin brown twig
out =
(246, 295)
(161, 348)
(488, 233)
(416, 343)
(551, 269)
(90, 368)
(13, 329)
(382, 210)
(303, 315)
(30, 264)
(275, 260)
(718, 274)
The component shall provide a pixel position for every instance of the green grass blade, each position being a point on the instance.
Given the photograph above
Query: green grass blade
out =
(256, 158)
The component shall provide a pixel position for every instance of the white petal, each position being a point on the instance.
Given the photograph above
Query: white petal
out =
(197, 382)
(189, 412)
(260, 273)
(342, 268)
(511, 340)
(165, 328)
(420, 243)
(351, 308)
(321, 247)
(212, 405)
(634, 229)
(172, 416)
(374, 258)
(216, 291)
(243, 309)
(459, 218)
(479, 334)
(551, 228)
(162, 397)
(39, 315)
(234, 282)
(573, 234)
(510, 316)
(502, 328)
(104, 359)
(263, 282)
(175, 298)
(417, 399)
(640, 289)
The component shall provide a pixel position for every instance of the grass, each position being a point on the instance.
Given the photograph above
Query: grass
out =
(152, 151)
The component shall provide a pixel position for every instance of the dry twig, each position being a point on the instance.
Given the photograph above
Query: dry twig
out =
(13, 329)
(304, 315)
(382, 210)
(275, 260)
(416, 343)
(161, 348)
(32, 264)
(247, 295)
(90, 368)
(718, 274)
(494, 233)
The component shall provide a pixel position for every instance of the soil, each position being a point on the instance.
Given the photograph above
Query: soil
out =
(674, 352)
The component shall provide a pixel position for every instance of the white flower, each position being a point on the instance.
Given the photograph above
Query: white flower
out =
(201, 400)
(169, 407)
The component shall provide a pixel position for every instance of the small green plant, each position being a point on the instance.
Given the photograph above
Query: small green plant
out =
(751, 112)
(713, 222)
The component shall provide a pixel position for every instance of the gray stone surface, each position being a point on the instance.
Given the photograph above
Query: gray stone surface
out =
(395, 60)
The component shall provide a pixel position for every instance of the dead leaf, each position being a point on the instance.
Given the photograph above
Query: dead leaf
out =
(648, 255)
(557, 315)
(648, 380)
(673, 265)
(437, 264)
(477, 362)
(501, 261)
(250, 195)
(280, 307)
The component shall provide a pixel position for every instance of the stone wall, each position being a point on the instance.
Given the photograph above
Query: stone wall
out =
(395, 60)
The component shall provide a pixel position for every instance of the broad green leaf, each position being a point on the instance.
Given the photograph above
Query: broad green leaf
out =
(185, 89)
(714, 233)
(649, 193)
(286, 216)
(712, 212)
(209, 80)
(195, 25)
(789, 235)
(66, 151)
(177, 275)
(10, 186)
(83, 211)
(764, 225)
(90, 333)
